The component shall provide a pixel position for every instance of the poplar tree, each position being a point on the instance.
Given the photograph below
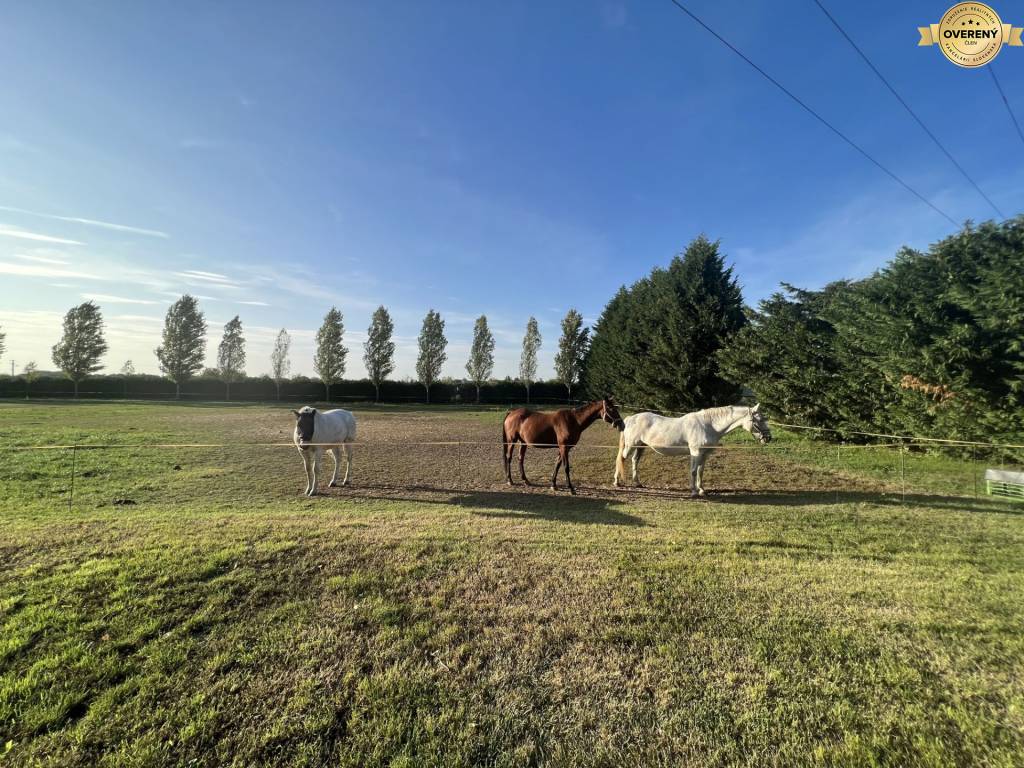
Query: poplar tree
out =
(572, 350)
(280, 363)
(127, 371)
(329, 360)
(79, 351)
(528, 359)
(432, 350)
(379, 349)
(184, 342)
(231, 355)
(30, 373)
(481, 354)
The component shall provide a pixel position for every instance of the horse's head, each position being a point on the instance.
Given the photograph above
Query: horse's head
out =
(304, 422)
(610, 413)
(756, 423)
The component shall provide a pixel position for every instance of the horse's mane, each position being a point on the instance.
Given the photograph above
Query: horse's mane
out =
(714, 413)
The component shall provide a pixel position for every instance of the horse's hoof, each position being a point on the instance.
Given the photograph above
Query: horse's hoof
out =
(332, 485)
(526, 482)
(638, 485)
(572, 491)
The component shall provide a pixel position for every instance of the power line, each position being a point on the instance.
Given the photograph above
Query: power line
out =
(907, 107)
(818, 117)
(1007, 103)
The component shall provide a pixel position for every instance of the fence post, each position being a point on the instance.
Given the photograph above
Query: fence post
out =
(903, 474)
(71, 493)
(837, 471)
(974, 468)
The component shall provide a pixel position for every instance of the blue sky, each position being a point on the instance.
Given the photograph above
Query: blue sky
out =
(500, 158)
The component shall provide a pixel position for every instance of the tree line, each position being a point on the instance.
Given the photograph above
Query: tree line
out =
(182, 351)
(930, 344)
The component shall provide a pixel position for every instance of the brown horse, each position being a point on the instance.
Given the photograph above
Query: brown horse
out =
(550, 429)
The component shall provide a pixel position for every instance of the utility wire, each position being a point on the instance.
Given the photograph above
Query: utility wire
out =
(907, 107)
(818, 117)
(999, 88)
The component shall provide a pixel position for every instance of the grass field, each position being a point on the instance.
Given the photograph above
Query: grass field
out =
(191, 608)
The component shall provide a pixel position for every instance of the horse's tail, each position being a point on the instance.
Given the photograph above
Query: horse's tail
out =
(505, 441)
(620, 465)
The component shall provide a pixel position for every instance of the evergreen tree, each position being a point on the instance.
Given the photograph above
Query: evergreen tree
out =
(655, 344)
(928, 345)
(231, 355)
(184, 342)
(280, 363)
(938, 334)
(329, 361)
(572, 350)
(379, 349)
(79, 351)
(787, 355)
(528, 358)
(481, 354)
(432, 350)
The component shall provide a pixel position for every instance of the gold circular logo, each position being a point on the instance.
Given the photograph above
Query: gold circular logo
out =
(970, 34)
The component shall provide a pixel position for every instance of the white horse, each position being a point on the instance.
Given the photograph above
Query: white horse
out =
(695, 433)
(316, 430)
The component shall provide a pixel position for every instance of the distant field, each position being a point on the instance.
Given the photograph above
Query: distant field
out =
(192, 608)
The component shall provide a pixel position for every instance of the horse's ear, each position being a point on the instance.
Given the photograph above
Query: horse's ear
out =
(756, 408)
(296, 413)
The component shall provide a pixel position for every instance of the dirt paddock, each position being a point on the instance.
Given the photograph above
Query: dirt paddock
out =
(395, 459)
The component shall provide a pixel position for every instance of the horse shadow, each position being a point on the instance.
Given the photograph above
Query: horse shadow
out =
(544, 506)
(537, 504)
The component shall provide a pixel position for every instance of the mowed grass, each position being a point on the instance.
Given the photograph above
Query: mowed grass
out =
(191, 608)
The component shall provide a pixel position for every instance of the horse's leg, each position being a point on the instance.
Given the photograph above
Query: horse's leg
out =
(693, 476)
(336, 455)
(508, 447)
(348, 463)
(307, 467)
(554, 475)
(637, 455)
(703, 457)
(318, 458)
(565, 461)
(522, 470)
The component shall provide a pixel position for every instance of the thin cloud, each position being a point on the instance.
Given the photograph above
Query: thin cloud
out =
(89, 222)
(39, 259)
(208, 277)
(22, 234)
(108, 299)
(31, 270)
(254, 303)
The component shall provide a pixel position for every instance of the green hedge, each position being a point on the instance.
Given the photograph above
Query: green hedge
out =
(145, 387)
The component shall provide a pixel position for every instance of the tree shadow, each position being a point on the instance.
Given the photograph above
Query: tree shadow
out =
(800, 498)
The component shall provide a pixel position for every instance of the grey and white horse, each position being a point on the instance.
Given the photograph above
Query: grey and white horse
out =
(695, 433)
(316, 430)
